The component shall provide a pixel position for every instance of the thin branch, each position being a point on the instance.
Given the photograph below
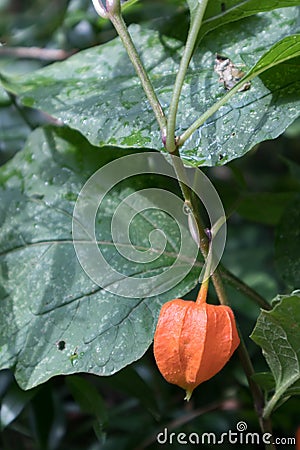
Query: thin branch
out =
(257, 394)
(244, 288)
(184, 63)
(225, 405)
(20, 110)
(44, 54)
(121, 28)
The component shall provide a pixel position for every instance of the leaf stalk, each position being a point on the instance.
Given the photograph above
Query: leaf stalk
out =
(118, 22)
(172, 144)
(184, 63)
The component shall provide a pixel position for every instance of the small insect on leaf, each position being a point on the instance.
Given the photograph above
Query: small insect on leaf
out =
(229, 73)
(74, 357)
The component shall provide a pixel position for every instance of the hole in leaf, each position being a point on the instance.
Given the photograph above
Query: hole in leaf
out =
(61, 345)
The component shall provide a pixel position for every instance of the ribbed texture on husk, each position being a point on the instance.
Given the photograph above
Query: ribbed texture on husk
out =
(193, 341)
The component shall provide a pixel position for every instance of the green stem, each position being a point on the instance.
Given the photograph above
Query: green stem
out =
(121, 28)
(219, 288)
(257, 394)
(276, 396)
(172, 146)
(208, 113)
(20, 110)
(202, 294)
(244, 288)
(184, 63)
(188, 198)
(254, 72)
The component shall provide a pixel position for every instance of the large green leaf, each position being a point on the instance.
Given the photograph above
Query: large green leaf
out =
(98, 93)
(220, 12)
(277, 332)
(90, 401)
(248, 118)
(54, 319)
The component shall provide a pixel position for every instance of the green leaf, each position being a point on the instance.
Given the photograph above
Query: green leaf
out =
(87, 396)
(265, 380)
(283, 50)
(83, 91)
(293, 167)
(237, 126)
(47, 417)
(220, 12)
(4, 98)
(264, 207)
(13, 403)
(293, 131)
(90, 401)
(294, 389)
(13, 133)
(128, 3)
(277, 332)
(287, 245)
(54, 318)
(131, 383)
(267, 383)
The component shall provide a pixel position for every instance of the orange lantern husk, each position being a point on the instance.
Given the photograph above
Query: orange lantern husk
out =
(193, 341)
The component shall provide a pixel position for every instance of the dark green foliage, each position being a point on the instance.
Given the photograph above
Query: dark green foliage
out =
(83, 354)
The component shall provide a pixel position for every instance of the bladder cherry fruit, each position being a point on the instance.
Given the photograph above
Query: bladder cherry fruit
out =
(193, 341)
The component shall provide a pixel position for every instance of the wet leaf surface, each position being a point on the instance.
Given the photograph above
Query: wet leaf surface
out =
(277, 332)
(54, 318)
(98, 93)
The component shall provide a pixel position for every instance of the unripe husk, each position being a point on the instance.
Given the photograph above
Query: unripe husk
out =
(193, 342)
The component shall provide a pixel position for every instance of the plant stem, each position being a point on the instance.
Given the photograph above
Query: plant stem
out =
(244, 288)
(20, 110)
(275, 397)
(208, 113)
(257, 395)
(188, 198)
(168, 131)
(184, 63)
(202, 294)
(254, 72)
(219, 288)
(121, 28)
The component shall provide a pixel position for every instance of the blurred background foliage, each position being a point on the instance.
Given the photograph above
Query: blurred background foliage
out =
(260, 192)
